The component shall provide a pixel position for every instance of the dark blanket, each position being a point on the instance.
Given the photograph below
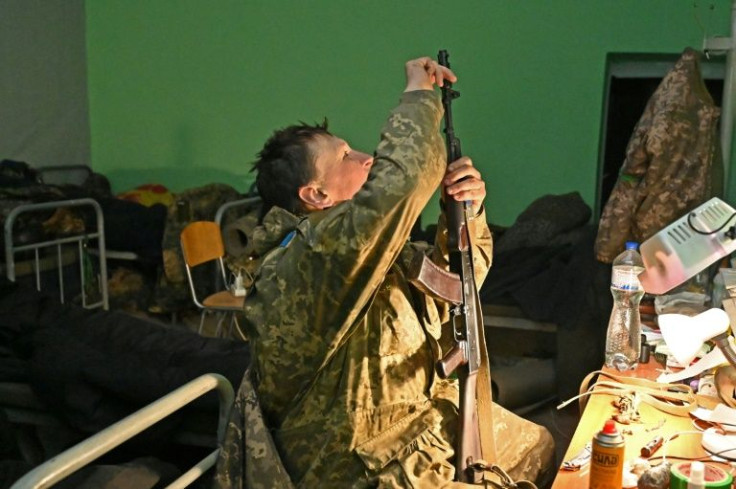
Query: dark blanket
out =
(91, 368)
(130, 226)
(545, 264)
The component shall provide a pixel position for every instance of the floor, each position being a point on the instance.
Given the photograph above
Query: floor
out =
(560, 423)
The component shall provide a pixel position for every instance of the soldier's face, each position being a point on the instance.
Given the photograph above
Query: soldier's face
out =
(340, 170)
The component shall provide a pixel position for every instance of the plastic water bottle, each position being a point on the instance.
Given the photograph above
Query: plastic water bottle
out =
(623, 342)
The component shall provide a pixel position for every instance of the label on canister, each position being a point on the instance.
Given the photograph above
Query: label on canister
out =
(607, 459)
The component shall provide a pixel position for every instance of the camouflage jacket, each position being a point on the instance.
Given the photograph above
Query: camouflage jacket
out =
(344, 347)
(672, 165)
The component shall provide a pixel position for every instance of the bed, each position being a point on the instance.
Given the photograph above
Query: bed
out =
(55, 232)
(68, 372)
(510, 325)
(72, 364)
(65, 221)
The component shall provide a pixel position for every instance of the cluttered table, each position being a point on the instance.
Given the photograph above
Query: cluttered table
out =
(681, 438)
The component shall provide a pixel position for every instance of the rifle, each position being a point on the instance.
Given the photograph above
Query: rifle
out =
(475, 451)
(469, 355)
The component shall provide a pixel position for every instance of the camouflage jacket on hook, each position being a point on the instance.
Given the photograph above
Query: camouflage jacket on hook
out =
(673, 161)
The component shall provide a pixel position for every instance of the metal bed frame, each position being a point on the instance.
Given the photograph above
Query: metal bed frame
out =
(81, 454)
(220, 214)
(81, 240)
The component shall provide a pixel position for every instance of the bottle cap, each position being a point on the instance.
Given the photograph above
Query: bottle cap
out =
(697, 472)
(632, 245)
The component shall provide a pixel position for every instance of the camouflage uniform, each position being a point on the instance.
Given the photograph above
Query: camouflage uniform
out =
(672, 165)
(345, 348)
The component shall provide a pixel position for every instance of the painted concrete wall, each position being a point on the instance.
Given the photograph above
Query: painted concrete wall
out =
(185, 92)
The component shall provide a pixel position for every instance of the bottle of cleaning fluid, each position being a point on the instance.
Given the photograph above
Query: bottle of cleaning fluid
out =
(623, 343)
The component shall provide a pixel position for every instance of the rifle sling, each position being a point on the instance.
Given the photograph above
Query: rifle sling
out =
(484, 399)
(675, 399)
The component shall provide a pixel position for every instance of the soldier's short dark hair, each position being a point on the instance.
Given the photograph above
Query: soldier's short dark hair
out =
(284, 164)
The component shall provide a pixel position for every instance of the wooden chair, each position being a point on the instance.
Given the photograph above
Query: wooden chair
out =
(201, 244)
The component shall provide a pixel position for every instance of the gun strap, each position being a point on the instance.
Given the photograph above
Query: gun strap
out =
(504, 481)
(675, 399)
(484, 398)
(483, 392)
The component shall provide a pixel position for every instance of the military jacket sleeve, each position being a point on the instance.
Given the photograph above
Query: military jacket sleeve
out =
(311, 291)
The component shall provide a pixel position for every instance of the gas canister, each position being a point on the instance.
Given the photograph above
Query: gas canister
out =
(607, 459)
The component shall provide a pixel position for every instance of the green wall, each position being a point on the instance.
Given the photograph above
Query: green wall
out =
(185, 92)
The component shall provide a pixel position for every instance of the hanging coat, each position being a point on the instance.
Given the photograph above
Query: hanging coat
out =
(672, 165)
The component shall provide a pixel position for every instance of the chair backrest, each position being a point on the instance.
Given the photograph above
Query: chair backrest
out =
(201, 241)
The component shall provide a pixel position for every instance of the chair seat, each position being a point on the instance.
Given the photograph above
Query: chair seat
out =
(224, 300)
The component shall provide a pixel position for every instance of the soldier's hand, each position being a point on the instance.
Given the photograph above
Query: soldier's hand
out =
(463, 181)
(424, 73)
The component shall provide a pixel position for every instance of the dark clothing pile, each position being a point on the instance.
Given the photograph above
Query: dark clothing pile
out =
(544, 263)
(92, 368)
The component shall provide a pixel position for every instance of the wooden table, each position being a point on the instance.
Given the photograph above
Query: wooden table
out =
(600, 408)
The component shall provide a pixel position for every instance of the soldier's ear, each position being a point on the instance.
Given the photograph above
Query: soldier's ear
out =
(313, 198)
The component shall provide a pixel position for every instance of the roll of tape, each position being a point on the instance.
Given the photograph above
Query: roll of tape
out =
(715, 477)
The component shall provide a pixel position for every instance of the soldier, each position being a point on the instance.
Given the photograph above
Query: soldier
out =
(344, 346)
